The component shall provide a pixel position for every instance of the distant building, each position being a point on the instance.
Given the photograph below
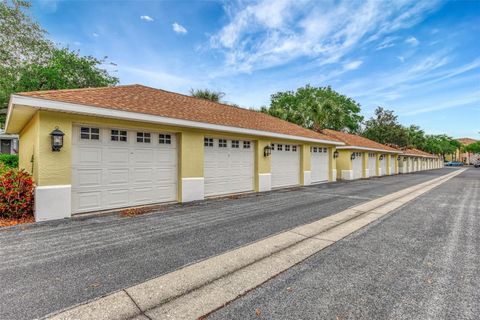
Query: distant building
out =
(465, 157)
(8, 143)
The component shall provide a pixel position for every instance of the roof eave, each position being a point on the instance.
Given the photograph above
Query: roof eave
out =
(347, 147)
(53, 105)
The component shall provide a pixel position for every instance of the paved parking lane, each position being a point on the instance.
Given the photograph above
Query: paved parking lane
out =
(420, 262)
(53, 266)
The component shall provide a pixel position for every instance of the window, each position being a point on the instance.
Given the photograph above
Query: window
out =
(235, 144)
(89, 133)
(222, 143)
(246, 144)
(325, 150)
(294, 148)
(119, 135)
(287, 147)
(143, 137)
(314, 149)
(279, 147)
(164, 138)
(208, 142)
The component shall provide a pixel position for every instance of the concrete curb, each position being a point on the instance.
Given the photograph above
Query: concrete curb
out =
(199, 289)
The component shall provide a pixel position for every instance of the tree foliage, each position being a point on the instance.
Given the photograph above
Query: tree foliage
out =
(384, 128)
(440, 144)
(316, 108)
(473, 147)
(207, 94)
(29, 61)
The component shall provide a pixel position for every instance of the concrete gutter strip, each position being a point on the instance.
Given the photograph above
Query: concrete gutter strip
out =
(199, 289)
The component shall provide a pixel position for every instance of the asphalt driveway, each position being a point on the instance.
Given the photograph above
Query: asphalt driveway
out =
(51, 266)
(420, 262)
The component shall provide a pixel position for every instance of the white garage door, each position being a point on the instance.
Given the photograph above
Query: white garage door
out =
(357, 165)
(410, 165)
(372, 164)
(319, 164)
(115, 168)
(393, 159)
(229, 166)
(285, 165)
(383, 165)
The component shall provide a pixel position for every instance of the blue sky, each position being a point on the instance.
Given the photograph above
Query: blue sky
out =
(419, 58)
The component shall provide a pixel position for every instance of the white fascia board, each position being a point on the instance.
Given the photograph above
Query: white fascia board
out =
(143, 117)
(9, 112)
(366, 149)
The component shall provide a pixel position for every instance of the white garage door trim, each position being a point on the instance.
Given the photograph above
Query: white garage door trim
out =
(319, 164)
(383, 165)
(116, 168)
(372, 164)
(228, 166)
(357, 165)
(393, 159)
(285, 165)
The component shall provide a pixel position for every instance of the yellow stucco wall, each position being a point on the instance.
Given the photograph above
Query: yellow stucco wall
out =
(332, 165)
(344, 161)
(28, 148)
(54, 168)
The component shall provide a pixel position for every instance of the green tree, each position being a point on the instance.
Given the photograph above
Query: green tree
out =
(316, 108)
(30, 62)
(384, 128)
(473, 147)
(207, 94)
(441, 144)
(415, 137)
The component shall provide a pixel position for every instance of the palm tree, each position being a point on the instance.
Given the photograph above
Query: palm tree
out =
(207, 94)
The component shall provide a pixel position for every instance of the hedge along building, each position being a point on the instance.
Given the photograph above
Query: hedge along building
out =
(362, 157)
(413, 160)
(134, 145)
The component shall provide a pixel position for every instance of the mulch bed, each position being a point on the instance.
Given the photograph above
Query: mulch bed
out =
(7, 222)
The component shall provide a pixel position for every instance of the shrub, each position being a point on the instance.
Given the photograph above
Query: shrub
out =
(16, 194)
(9, 160)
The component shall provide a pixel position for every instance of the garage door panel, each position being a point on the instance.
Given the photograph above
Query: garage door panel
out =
(319, 164)
(116, 177)
(88, 200)
(285, 167)
(227, 169)
(88, 155)
(113, 174)
(87, 177)
(357, 167)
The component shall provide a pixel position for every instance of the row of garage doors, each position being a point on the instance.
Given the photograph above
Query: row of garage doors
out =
(114, 168)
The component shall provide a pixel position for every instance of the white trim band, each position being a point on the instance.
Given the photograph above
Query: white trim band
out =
(134, 116)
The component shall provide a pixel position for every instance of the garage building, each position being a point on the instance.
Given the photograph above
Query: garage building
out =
(117, 147)
(362, 158)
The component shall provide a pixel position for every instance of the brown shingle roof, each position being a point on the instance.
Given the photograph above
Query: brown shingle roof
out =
(357, 141)
(146, 100)
(418, 153)
(466, 141)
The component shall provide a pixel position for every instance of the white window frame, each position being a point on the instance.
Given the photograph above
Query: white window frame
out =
(294, 148)
(119, 134)
(287, 147)
(279, 147)
(235, 144)
(222, 143)
(208, 142)
(164, 138)
(144, 137)
(246, 144)
(89, 134)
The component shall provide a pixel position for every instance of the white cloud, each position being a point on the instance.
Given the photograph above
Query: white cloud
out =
(147, 18)
(412, 41)
(401, 58)
(77, 43)
(95, 35)
(352, 65)
(455, 103)
(178, 28)
(266, 34)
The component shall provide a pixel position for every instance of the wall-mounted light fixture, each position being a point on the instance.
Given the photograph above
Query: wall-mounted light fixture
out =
(335, 154)
(57, 139)
(399, 158)
(381, 157)
(352, 156)
(267, 151)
